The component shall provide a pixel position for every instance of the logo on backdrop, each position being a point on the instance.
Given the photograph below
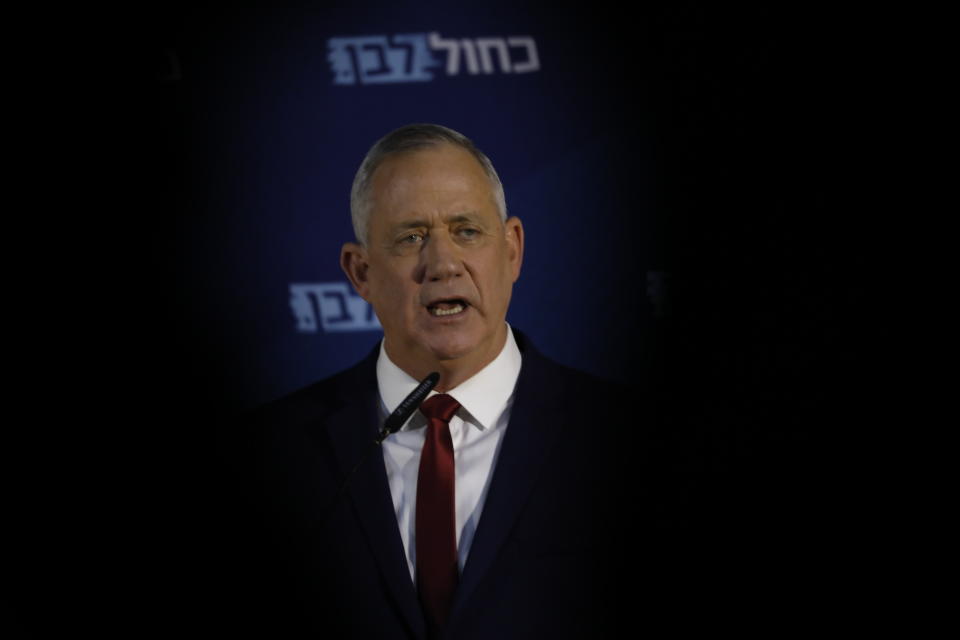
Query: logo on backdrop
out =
(410, 57)
(333, 306)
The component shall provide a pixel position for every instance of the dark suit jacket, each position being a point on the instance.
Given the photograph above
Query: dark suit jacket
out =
(551, 551)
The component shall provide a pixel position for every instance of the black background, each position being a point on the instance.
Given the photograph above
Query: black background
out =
(752, 378)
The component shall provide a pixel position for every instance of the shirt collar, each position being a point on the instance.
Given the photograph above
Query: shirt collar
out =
(484, 396)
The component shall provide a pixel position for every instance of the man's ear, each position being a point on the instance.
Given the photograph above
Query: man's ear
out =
(514, 230)
(353, 261)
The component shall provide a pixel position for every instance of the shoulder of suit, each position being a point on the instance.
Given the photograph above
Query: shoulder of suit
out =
(319, 399)
(546, 369)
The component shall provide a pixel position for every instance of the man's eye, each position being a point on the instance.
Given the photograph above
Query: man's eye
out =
(467, 232)
(411, 238)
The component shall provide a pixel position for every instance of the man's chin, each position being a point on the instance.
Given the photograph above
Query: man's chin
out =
(447, 353)
(453, 346)
(471, 346)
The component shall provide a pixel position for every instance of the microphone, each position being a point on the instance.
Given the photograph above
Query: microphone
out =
(407, 407)
(390, 426)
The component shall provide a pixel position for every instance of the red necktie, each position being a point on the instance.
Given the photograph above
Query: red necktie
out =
(437, 572)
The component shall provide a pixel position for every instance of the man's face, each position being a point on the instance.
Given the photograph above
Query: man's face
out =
(439, 264)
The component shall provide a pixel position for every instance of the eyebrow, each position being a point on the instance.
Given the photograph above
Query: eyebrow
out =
(469, 216)
(409, 224)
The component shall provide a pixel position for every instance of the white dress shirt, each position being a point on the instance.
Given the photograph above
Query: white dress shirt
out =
(477, 430)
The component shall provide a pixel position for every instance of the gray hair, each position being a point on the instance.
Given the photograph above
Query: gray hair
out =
(412, 137)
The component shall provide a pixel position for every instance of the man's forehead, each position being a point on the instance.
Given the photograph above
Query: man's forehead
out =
(448, 183)
(443, 162)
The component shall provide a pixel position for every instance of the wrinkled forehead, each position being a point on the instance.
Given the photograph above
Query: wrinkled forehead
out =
(440, 175)
(437, 160)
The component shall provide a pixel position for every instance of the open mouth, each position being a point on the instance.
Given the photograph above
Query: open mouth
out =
(450, 307)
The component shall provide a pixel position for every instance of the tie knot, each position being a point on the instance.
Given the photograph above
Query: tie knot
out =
(439, 407)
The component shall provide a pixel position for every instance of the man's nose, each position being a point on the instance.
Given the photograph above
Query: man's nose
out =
(441, 257)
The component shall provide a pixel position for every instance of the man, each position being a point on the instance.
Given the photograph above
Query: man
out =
(491, 512)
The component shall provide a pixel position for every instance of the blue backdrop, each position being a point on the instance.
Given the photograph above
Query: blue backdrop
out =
(275, 109)
(674, 166)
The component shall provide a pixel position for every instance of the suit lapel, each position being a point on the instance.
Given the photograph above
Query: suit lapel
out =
(352, 430)
(529, 437)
